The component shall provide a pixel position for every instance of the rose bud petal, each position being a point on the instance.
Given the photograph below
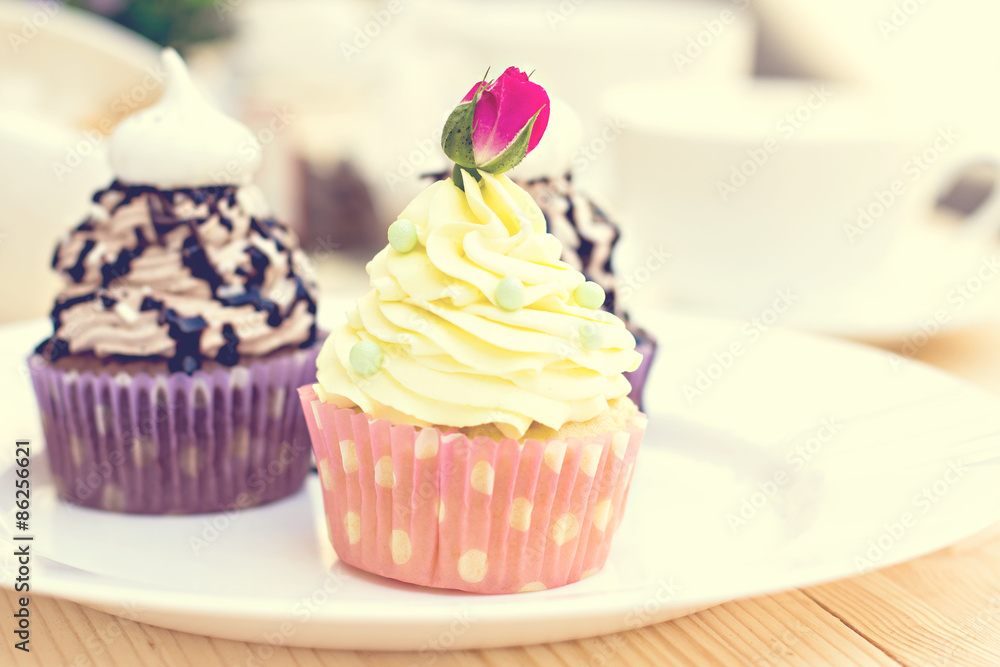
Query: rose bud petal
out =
(497, 123)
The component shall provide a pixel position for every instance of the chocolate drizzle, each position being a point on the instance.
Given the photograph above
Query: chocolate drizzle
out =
(122, 264)
(185, 331)
(194, 258)
(227, 355)
(77, 270)
(54, 348)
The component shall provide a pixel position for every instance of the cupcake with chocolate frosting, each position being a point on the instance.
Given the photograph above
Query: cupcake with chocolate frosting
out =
(186, 321)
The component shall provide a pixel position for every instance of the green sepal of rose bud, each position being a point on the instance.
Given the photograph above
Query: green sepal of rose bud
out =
(456, 137)
(456, 176)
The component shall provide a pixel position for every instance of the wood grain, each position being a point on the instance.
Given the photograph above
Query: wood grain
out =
(785, 629)
(943, 609)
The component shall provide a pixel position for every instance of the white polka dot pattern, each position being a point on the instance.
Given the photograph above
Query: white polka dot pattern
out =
(75, 449)
(619, 443)
(520, 514)
(316, 417)
(113, 498)
(555, 451)
(426, 445)
(276, 404)
(590, 459)
(472, 566)
(602, 512)
(349, 455)
(384, 476)
(564, 529)
(325, 475)
(401, 549)
(482, 477)
(352, 525)
(190, 460)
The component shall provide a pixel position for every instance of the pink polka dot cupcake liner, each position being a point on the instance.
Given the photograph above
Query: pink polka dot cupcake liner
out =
(169, 443)
(444, 510)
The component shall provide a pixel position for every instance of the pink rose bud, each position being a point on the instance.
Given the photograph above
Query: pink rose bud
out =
(497, 123)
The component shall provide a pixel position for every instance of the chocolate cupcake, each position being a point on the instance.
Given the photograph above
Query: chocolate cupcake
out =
(588, 238)
(186, 322)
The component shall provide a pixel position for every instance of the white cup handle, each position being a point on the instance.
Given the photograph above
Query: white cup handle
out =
(985, 220)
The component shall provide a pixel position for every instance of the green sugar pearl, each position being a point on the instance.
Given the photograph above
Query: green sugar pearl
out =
(589, 295)
(590, 336)
(402, 236)
(366, 358)
(510, 293)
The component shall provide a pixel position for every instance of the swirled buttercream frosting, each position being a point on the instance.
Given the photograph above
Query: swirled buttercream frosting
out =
(183, 275)
(476, 322)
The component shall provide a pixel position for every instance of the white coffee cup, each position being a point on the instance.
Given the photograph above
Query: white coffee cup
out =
(759, 187)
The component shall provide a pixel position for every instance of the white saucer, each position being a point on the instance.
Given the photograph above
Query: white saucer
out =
(930, 281)
(874, 433)
(932, 275)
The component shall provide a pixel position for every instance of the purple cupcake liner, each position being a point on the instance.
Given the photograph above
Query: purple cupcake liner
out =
(645, 345)
(169, 443)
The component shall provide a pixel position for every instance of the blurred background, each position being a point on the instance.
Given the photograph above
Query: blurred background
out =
(822, 165)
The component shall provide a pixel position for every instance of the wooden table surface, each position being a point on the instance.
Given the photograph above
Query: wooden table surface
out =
(939, 610)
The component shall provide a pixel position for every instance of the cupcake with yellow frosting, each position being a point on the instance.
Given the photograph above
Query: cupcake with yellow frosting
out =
(185, 324)
(471, 420)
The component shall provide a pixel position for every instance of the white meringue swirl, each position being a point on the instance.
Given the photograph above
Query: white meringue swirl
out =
(182, 140)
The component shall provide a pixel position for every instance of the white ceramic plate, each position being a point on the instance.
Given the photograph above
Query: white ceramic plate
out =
(846, 436)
